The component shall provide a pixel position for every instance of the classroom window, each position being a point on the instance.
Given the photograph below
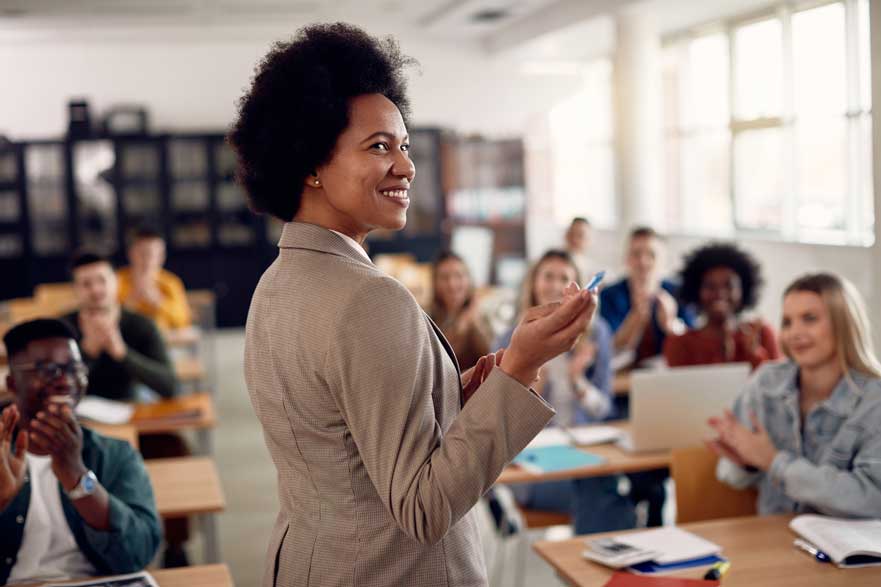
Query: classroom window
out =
(767, 126)
(573, 152)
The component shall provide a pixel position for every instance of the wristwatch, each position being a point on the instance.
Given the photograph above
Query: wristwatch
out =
(87, 486)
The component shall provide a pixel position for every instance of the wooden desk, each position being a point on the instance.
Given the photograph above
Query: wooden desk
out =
(194, 411)
(186, 486)
(189, 486)
(196, 576)
(617, 461)
(125, 432)
(759, 548)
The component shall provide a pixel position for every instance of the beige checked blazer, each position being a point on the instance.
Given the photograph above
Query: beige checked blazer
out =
(359, 396)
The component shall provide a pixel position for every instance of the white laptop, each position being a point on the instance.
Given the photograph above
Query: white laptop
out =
(669, 408)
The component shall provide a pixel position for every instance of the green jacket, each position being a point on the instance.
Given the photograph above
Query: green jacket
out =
(135, 530)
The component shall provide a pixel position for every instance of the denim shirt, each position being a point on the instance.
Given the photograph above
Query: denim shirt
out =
(831, 464)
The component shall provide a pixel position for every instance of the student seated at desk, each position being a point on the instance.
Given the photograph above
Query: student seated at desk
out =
(148, 289)
(454, 309)
(124, 351)
(73, 503)
(641, 309)
(723, 281)
(807, 432)
(127, 361)
(578, 385)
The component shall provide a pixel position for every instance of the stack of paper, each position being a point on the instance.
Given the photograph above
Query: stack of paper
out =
(576, 435)
(103, 410)
(674, 549)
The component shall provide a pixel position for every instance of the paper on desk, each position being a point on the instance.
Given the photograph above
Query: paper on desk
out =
(142, 579)
(673, 543)
(551, 436)
(585, 435)
(104, 410)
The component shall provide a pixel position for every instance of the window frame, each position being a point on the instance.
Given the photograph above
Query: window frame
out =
(854, 232)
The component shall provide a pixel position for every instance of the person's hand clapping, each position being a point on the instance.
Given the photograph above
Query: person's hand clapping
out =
(739, 444)
(667, 312)
(476, 375)
(12, 464)
(102, 326)
(546, 331)
(56, 432)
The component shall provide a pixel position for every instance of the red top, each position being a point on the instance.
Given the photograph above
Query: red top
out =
(705, 347)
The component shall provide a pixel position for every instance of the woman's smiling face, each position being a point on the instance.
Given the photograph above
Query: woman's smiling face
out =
(366, 182)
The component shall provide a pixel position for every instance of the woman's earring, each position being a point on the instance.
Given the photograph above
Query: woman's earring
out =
(316, 182)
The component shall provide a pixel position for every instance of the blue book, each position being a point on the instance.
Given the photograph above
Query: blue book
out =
(547, 459)
(652, 568)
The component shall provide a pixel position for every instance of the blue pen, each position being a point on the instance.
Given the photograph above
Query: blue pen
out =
(595, 280)
(811, 550)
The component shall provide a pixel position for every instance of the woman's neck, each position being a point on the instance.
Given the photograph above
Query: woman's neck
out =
(817, 383)
(314, 210)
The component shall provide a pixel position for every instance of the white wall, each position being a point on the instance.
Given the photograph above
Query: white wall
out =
(190, 78)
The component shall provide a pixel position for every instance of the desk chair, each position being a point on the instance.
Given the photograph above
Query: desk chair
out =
(699, 495)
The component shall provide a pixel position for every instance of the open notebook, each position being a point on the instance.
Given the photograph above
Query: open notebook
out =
(849, 543)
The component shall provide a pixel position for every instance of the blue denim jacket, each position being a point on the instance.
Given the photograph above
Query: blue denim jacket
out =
(831, 464)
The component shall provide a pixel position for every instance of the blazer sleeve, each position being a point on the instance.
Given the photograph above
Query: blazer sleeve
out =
(381, 370)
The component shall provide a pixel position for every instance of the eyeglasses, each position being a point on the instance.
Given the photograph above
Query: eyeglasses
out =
(52, 370)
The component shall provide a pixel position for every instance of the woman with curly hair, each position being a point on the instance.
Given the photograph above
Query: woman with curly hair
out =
(382, 446)
(723, 281)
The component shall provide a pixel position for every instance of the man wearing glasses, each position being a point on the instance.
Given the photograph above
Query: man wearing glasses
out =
(72, 502)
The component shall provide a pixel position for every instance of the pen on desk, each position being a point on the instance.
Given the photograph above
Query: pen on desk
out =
(811, 550)
(717, 571)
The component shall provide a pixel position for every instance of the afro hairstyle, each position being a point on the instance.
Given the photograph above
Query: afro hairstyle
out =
(19, 336)
(298, 105)
(713, 255)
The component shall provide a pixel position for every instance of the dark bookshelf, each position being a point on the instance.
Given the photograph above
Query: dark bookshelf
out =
(60, 195)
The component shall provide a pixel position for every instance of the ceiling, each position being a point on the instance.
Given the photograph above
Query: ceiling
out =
(539, 30)
(449, 19)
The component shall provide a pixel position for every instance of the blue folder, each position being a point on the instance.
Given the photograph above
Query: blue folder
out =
(556, 458)
(651, 567)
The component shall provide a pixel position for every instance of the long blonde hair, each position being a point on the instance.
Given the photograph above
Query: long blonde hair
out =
(850, 323)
